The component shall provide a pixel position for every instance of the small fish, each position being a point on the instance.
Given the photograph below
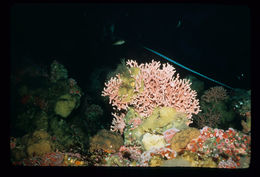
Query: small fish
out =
(119, 42)
(179, 23)
(241, 76)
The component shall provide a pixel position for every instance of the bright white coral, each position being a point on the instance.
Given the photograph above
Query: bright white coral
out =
(151, 141)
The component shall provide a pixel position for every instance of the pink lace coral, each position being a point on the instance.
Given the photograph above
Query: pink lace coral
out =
(154, 86)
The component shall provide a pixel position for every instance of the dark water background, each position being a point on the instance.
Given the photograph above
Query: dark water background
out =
(212, 39)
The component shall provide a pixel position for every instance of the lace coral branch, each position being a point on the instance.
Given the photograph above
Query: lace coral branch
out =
(160, 89)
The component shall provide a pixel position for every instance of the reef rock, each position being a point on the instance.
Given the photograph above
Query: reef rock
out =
(161, 119)
(39, 143)
(107, 140)
(40, 148)
(65, 104)
(183, 137)
(151, 141)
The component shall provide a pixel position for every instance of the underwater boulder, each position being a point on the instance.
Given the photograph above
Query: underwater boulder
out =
(58, 72)
(39, 143)
(18, 154)
(65, 104)
(106, 140)
(40, 148)
(156, 161)
(198, 160)
(160, 120)
(62, 132)
(182, 138)
(151, 141)
(93, 112)
(41, 121)
(116, 160)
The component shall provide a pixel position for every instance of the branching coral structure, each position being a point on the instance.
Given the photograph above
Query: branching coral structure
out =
(151, 85)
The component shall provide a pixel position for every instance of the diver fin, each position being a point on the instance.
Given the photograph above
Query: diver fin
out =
(161, 55)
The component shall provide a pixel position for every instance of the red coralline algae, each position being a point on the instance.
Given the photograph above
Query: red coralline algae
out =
(168, 134)
(213, 142)
(49, 159)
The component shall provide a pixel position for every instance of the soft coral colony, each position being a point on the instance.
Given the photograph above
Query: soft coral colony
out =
(153, 111)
